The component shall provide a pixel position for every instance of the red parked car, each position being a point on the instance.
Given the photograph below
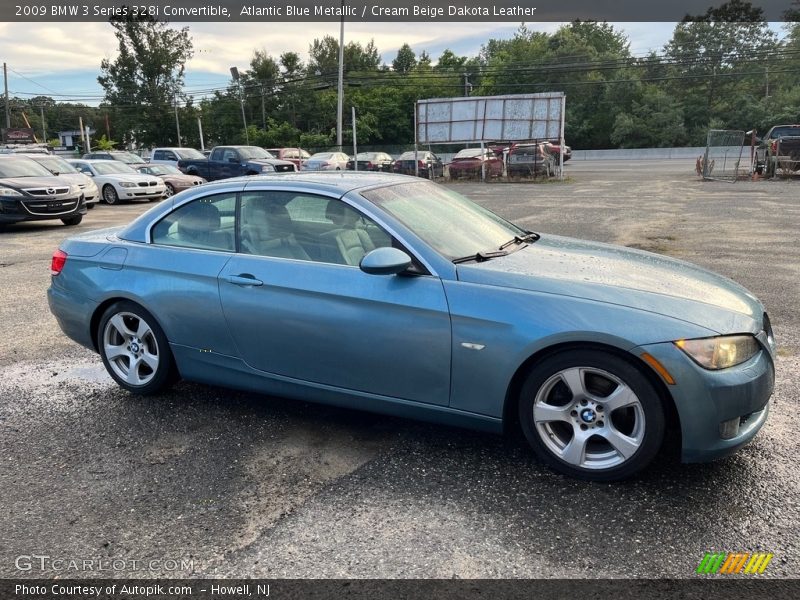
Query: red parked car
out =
(469, 162)
(296, 155)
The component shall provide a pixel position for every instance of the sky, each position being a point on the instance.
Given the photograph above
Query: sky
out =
(63, 61)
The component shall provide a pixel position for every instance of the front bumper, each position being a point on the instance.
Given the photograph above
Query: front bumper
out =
(16, 209)
(141, 193)
(705, 400)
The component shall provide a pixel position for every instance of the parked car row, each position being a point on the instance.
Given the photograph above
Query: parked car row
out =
(40, 186)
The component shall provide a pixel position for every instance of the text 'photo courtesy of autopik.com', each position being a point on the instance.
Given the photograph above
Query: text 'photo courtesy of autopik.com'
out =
(391, 299)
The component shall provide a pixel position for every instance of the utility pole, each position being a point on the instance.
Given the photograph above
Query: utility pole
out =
(467, 84)
(200, 129)
(8, 108)
(44, 130)
(83, 133)
(235, 75)
(177, 122)
(340, 87)
(355, 143)
(263, 110)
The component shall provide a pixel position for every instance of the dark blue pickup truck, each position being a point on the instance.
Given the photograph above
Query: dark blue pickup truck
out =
(233, 161)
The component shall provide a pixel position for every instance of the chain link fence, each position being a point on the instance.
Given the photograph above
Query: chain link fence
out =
(722, 160)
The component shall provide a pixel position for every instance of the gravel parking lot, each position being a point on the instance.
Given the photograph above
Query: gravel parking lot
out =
(235, 484)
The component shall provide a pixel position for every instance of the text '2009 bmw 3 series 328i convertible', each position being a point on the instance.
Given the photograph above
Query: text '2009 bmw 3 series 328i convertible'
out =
(390, 294)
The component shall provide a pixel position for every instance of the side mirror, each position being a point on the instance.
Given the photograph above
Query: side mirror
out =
(385, 261)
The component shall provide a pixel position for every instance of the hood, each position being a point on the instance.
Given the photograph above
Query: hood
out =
(269, 161)
(178, 178)
(132, 177)
(76, 178)
(22, 183)
(626, 277)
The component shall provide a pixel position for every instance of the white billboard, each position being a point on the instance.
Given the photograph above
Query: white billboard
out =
(511, 118)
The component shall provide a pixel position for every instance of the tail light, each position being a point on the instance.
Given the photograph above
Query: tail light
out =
(369, 164)
(58, 262)
(421, 164)
(774, 146)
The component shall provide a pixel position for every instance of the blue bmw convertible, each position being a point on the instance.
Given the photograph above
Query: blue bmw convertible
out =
(396, 295)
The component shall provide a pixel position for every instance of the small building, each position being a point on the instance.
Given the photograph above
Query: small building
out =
(68, 139)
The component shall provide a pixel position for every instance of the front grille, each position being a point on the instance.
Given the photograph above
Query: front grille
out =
(49, 208)
(47, 191)
(143, 184)
(284, 168)
(196, 182)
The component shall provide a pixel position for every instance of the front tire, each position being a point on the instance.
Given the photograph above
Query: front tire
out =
(73, 220)
(134, 349)
(591, 415)
(110, 194)
(169, 191)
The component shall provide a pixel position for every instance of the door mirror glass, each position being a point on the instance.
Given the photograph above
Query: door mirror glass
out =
(385, 261)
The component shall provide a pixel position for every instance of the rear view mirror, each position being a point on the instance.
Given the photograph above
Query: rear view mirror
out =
(385, 261)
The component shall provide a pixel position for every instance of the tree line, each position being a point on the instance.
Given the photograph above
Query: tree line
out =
(723, 69)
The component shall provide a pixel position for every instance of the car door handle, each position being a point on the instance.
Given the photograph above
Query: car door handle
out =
(244, 279)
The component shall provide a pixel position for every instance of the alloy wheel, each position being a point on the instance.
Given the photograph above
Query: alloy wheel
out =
(589, 418)
(130, 346)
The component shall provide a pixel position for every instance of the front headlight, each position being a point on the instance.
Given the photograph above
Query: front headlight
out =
(127, 184)
(4, 191)
(720, 352)
(75, 189)
(267, 168)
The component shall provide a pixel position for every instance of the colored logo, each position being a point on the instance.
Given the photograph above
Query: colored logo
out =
(734, 563)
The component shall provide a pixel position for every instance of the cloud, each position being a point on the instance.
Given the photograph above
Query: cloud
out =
(67, 57)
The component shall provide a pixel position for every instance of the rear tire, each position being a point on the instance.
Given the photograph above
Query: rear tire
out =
(74, 220)
(591, 415)
(135, 350)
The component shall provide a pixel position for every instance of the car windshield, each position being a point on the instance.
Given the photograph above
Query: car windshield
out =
(55, 164)
(163, 170)
(189, 153)
(367, 156)
(127, 157)
(110, 167)
(468, 153)
(410, 156)
(450, 223)
(22, 168)
(322, 155)
(253, 152)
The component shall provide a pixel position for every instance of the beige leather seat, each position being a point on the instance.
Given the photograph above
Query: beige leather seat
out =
(199, 227)
(267, 231)
(347, 244)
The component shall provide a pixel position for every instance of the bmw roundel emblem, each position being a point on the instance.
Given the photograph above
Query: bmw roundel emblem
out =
(587, 415)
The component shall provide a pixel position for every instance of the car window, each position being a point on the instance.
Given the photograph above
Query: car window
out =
(158, 155)
(306, 227)
(230, 154)
(207, 223)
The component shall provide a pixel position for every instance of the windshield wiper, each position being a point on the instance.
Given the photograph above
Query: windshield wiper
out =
(480, 256)
(526, 238)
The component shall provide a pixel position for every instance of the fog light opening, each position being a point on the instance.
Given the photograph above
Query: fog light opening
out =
(729, 429)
